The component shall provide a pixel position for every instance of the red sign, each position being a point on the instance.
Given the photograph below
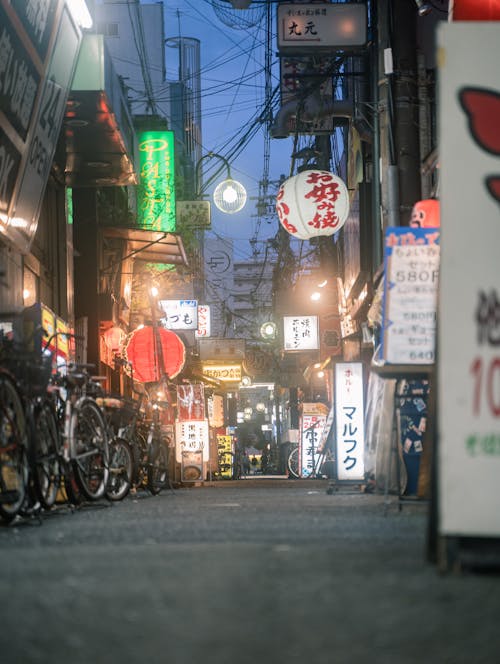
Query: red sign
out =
(476, 10)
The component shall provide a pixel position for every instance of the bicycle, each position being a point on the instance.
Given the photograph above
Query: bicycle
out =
(81, 448)
(24, 375)
(324, 462)
(121, 461)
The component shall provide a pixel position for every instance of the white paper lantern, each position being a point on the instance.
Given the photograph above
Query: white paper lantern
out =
(312, 203)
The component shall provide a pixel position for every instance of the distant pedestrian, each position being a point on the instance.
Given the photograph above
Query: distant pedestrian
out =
(246, 464)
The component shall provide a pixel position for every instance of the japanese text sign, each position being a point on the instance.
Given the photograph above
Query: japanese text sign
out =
(156, 204)
(180, 314)
(312, 425)
(191, 436)
(349, 418)
(311, 27)
(410, 295)
(469, 292)
(300, 332)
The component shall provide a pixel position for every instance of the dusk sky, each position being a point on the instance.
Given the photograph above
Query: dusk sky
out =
(233, 96)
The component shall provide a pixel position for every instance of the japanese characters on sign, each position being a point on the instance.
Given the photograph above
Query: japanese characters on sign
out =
(191, 401)
(180, 314)
(410, 295)
(300, 332)
(469, 290)
(203, 329)
(349, 418)
(230, 373)
(312, 425)
(311, 27)
(224, 452)
(156, 199)
(193, 214)
(36, 67)
(191, 436)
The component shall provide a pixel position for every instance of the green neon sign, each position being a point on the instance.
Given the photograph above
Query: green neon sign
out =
(156, 199)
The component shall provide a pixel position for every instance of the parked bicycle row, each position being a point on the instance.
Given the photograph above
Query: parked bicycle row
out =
(63, 440)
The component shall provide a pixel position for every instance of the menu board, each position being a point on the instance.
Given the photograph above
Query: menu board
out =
(411, 259)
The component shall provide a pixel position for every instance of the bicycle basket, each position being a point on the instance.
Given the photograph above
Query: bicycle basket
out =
(31, 371)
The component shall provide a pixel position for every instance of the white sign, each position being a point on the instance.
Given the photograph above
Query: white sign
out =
(309, 27)
(300, 332)
(180, 314)
(411, 260)
(203, 330)
(469, 296)
(349, 418)
(191, 436)
(311, 429)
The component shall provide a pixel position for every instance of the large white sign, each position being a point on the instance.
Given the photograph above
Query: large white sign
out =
(349, 418)
(469, 296)
(180, 314)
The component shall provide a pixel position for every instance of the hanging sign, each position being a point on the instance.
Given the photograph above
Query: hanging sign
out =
(411, 260)
(180, 314)
(156, 193)
(203, 329)
(300, 333)
(349, 418)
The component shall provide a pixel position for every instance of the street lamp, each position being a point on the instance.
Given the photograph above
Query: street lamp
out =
(230, 195)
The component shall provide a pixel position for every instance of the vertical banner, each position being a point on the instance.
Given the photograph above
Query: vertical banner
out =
(191, 401)
(156, 204)
(349, 418)
(469, 297)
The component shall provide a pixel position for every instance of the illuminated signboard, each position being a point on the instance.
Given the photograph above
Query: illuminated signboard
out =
(156, 199)
(180, 314)
(349, 416)
(230, 373)
(312, 424)
(301, 332)
(191, 436)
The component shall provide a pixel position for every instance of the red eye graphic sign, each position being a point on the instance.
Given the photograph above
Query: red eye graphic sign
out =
(482, 107)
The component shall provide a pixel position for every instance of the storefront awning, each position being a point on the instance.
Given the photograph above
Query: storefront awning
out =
(150, 246)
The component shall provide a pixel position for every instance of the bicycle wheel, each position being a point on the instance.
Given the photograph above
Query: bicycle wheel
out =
(90, 463)
(120, 469)
(158, 477)
(293, 463)
(45, 461)
(14, 468)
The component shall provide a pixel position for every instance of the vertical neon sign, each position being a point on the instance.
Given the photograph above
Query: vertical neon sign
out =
(156, 200)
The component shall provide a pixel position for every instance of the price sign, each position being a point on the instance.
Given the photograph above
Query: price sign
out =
(410, 295)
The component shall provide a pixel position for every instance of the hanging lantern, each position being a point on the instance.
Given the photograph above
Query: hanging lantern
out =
(147, 346)
(114, 338)
(425, 214)
(312, 203)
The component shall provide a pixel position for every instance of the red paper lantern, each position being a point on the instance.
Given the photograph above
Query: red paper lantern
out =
(475, 10)
(425, 214)
(143, 351)
(312, 203)
(113, 338)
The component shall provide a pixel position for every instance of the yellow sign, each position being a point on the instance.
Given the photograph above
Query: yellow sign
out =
(230, 373)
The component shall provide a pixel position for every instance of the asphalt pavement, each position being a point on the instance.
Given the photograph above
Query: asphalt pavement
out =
(256, 571)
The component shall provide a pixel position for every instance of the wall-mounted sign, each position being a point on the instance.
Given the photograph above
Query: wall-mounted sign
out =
(349, 418)
(411, 260)
(36, 68)
(468, 364)
(156, 195)
(222, 349)
(303, 28)
(230, 373)
(203, 329)
(193, 214)
(191, 401)
(300, 333)
(180, 314)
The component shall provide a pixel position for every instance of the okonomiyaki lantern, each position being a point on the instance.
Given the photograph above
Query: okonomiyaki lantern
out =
(312, 203)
